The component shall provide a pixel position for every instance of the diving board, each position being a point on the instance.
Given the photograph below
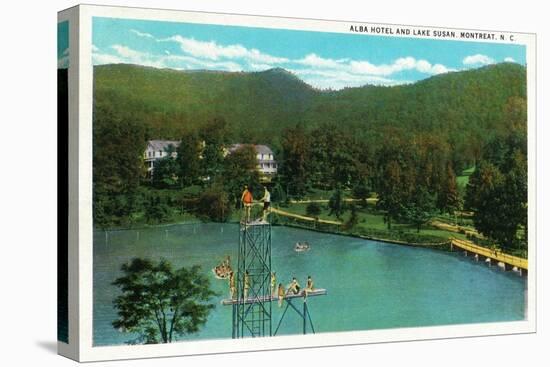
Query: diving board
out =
(313, 293)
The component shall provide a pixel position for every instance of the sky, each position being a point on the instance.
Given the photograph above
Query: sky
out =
(322, 59)
(63, 45)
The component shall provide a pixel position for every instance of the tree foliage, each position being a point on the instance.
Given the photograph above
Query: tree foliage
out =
(188, 158)
(159, 303)
(240, 169)
(296, 161)
(214, 204)
(336, 203)
(420, 208)
(497, 191)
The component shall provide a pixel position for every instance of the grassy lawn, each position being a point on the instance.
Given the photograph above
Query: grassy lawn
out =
(371, 220)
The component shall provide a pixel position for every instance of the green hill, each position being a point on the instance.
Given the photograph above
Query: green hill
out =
(465, 108)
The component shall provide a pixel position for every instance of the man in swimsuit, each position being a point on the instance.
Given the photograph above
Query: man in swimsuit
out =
(246, 199)
(281, 294)
(232, 288)
(294, 287)
(246, 284)
(267, 202)
(309, 286)
(273, 283)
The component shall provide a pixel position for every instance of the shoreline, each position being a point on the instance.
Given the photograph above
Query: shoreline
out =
(445, 245)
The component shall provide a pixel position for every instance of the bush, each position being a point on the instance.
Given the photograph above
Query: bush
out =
(313, 209)
(156, 210)
(214, 204)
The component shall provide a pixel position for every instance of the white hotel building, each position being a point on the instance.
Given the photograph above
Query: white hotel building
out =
(156, 149)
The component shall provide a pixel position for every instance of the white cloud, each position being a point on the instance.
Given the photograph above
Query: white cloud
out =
(401, 64)
(509, 59)
(142, 34)
(124, 54)
(478, 59)
(213, 51)
(338, 79)
(103, 58)
(314, 69)
(316, 61)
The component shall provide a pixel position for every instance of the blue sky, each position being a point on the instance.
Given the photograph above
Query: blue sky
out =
(63, 44)
(323, 60)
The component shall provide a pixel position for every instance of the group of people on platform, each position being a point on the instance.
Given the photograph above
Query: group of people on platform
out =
(248, 200)
(293, 288)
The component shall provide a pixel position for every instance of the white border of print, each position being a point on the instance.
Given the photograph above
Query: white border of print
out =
(84, 318)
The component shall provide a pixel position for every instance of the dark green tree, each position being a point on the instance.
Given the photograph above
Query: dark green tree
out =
(215, 136)
(214, 204)
(240, 168)
(497, 191)
(313, 209)
(295, 166)
(188, 159)
(353, 218)
(118, 166)
(448, 198)
(420, 209)
(159, 303)
(336, 203)
(156, 210)
(334, 157)
(396, 174)
(361, 190)
(166, 170)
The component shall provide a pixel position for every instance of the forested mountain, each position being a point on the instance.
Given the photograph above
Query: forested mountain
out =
(464, 108)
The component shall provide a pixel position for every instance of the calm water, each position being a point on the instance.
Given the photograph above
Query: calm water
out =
(370, 285)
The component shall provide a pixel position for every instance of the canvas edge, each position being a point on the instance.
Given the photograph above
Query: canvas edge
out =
(82, 274)
(71, 349)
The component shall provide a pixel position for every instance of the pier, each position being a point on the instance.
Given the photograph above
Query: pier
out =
(492, 256)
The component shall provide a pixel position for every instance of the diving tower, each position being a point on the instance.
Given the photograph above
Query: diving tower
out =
(252, 299)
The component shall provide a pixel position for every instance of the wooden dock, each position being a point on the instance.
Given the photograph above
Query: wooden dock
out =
(494, 255)
(313, 293)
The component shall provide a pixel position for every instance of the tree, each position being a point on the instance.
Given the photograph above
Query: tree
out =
(159, 303)
(396, 176)
(353, 218)
(336, 203)
(361, 190)
(313, 209)
(240, 168)
(188, 159)
(214, 135)
(334, 156)
(497, 192)
(420, 208)
(118, 166)
(156, 211)
(448, 198)
(165, 170)
(295, 169)
(214, 204)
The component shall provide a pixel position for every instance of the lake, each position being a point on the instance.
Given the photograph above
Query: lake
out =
(371, 285)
